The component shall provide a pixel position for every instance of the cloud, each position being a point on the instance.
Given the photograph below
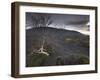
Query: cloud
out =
(84, 29)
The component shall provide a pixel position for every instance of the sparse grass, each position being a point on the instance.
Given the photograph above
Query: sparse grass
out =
(36, 60)
(83, 60)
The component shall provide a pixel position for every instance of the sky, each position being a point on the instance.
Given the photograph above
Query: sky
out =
(74, 22)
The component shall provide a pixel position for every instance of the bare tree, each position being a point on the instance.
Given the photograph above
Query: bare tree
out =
(41, 20)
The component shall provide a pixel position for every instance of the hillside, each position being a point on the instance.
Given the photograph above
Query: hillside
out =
(64, 47)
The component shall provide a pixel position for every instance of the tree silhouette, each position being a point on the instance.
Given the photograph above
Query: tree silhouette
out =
(41, 20)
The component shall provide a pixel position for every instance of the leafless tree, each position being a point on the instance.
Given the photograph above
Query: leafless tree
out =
(41, 20)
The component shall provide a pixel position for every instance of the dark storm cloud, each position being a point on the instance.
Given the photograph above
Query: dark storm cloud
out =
(78, 22)
(29, 21)
(60, 19)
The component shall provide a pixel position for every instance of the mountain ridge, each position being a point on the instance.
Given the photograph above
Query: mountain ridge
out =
(58, 42)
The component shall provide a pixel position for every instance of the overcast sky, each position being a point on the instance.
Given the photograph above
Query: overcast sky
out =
(74, 22)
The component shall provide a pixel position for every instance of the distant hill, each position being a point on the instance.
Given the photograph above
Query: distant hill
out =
(64, 46)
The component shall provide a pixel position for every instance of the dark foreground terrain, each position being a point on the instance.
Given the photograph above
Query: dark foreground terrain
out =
(63, 47)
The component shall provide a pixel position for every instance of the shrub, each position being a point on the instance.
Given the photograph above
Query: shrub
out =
(83, 60)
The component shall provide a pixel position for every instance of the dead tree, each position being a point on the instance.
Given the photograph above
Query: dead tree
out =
(41, 20)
